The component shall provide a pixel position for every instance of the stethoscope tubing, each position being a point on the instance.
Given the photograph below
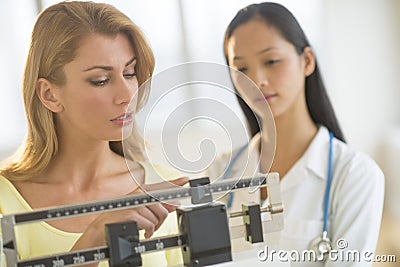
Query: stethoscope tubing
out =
(328, 184)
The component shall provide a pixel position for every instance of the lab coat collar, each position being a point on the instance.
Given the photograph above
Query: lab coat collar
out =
(317, 154)
(315, 159)
(314, 162)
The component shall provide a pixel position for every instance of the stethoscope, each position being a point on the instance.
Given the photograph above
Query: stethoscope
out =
(322, 244)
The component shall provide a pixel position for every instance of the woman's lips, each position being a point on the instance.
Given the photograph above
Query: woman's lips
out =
(124, 119)
(268, 98)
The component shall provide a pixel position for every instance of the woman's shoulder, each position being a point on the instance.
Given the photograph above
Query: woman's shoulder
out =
(11, 200)
(356, 165)
(6, 187)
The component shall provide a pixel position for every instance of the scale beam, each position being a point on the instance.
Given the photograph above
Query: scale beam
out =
(124, 247)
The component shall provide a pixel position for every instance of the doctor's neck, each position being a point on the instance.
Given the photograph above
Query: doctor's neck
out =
(294, 133)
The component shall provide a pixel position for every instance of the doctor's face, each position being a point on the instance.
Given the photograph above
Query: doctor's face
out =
(272, 63)
(100, 82)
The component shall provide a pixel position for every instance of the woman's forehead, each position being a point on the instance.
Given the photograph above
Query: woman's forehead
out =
(254, 36)
(105, 49)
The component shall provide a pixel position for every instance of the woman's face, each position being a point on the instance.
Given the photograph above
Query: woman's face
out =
(272, 63)
(100, 83)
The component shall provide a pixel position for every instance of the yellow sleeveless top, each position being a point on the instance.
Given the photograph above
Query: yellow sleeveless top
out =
(40, 239)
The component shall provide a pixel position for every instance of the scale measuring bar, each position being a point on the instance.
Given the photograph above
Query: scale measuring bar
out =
(132, 200)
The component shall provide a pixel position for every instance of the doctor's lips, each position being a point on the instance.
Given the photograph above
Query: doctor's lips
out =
(124, 119)
(267, 97)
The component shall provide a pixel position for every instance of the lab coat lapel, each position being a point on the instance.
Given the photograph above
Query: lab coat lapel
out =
(313, 162)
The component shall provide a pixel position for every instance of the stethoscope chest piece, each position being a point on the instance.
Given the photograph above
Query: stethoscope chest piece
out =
(322, 245)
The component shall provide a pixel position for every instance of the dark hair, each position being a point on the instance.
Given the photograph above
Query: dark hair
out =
(277, 16)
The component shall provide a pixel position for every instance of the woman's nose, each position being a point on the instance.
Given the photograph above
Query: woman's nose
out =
(126, 89)
(260, 79)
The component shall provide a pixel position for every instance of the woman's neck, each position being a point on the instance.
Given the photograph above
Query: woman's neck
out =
(294, 132)
(82, 164)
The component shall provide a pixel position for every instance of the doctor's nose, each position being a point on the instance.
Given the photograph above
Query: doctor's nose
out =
(259, 77)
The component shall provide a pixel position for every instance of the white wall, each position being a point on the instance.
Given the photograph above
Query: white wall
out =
(361, 66)
(16, 22)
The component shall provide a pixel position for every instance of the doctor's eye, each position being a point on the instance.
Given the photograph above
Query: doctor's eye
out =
(242, 69)
(271, 62)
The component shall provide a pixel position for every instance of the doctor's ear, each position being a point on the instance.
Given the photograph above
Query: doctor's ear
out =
(48, 94)
(309, 61)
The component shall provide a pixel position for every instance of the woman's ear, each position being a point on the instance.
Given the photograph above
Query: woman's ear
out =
(309, 60)
(48, 93)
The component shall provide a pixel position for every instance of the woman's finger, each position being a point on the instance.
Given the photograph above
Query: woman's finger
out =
(172, 205)
(145, 224)
(149, 215)
(160, 211)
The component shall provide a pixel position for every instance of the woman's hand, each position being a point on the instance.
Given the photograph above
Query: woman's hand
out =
(173, 204)
(148, 218)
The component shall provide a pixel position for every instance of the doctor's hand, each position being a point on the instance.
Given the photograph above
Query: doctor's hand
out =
(148, 218)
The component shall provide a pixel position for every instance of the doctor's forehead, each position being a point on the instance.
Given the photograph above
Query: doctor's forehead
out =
(254, 38)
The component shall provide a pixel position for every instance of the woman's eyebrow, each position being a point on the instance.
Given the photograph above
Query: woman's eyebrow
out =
(130, 62)
(258, 53)
(109, 67)
(99, 67)
(267, 50)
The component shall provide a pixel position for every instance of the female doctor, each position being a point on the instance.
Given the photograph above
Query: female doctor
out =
(332, 194)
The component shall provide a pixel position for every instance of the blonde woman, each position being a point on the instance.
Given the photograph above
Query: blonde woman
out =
(86, 61)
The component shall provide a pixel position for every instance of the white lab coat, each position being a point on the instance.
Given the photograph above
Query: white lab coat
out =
(356, 197)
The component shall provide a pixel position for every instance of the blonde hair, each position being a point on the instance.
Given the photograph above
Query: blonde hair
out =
(55, 39)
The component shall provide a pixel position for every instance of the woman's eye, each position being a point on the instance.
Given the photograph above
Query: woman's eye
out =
(100, 82)
(271, 62)
(130, 75)
(242, 69)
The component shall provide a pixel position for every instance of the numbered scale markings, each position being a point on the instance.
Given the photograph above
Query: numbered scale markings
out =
(102, 253)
